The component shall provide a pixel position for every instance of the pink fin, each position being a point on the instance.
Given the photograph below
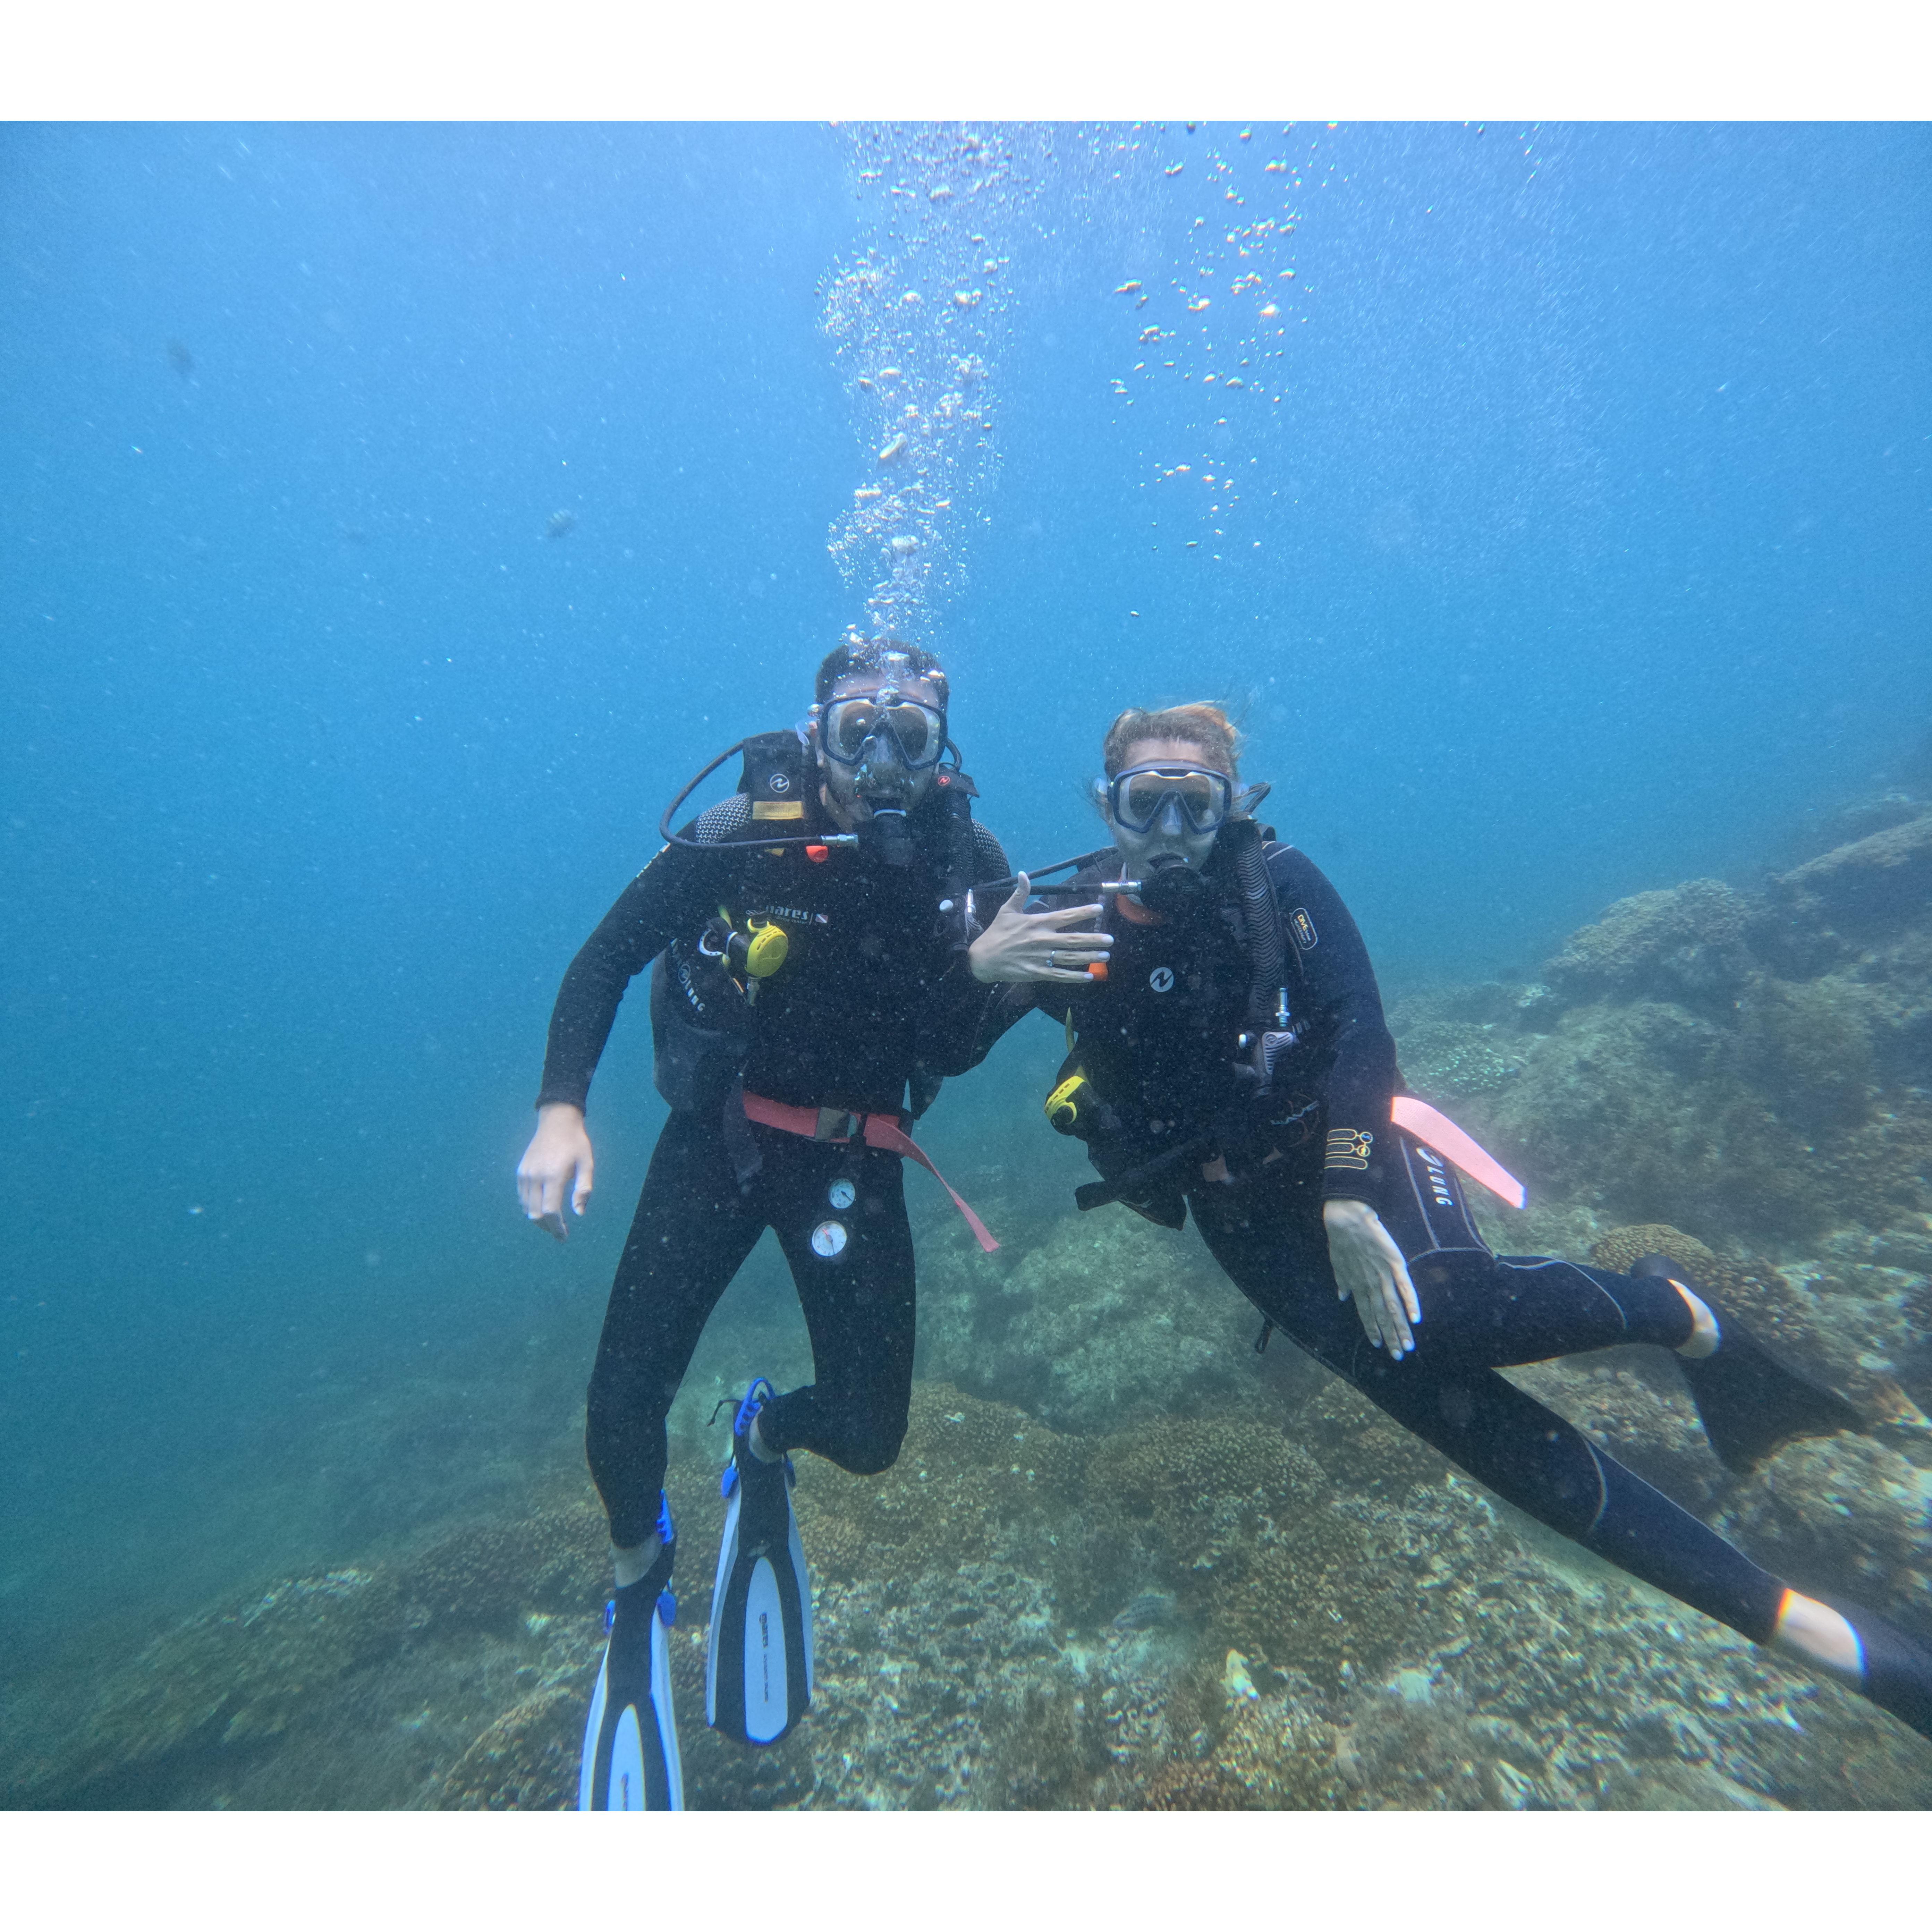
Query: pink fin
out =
(1439, 1132)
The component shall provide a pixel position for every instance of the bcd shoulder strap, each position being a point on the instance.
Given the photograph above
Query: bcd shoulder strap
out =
(958, 791)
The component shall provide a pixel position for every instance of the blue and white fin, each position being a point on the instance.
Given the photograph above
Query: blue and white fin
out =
(758, 1664)
(630, 1760)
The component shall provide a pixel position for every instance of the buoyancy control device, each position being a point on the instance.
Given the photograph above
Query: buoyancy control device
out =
(1262, 1050)
(705, 987)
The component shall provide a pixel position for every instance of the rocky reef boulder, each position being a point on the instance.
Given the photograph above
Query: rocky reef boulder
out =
(1685, 942)
(1873, 888)
(1098, 1320)
(1758, 1063)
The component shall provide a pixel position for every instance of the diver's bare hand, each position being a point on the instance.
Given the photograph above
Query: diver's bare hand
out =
(1020, 946)
(1370, 1271)
(558, 1162)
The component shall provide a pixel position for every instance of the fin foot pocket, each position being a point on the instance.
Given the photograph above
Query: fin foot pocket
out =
(758, 1659)
(1750, 1403)
(630, 1760)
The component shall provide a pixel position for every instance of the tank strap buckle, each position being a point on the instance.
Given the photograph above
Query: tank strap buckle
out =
(834, 1124)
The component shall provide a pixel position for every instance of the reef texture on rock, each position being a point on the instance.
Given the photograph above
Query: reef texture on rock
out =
(1125, 1560)
(1755, 1064)
(1274, 1605)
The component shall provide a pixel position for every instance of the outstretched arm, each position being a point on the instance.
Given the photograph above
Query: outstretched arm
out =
(559, 1164)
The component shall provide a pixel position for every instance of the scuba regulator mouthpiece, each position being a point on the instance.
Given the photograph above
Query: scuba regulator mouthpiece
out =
(1171, 886)
(888, 833)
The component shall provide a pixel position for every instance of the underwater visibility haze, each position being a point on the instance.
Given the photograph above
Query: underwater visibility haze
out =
(397, 517)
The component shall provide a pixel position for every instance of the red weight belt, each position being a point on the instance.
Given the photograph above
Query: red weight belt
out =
(881, 1131)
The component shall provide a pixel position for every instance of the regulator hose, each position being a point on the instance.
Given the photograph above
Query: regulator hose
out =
(1260, 917)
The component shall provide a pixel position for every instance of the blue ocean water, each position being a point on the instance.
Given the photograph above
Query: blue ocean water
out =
(395, 516)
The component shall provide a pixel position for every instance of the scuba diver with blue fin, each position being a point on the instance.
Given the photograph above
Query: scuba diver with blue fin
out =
(811, 938)
(1227, 1056)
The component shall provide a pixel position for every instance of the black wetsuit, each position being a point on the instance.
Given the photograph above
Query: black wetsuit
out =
(1157, 1042)
(875, 988)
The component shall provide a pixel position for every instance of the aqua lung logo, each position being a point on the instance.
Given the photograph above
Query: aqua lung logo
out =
(1162, 979)
(1438, 1178)
(779, 782)
(765, 1651)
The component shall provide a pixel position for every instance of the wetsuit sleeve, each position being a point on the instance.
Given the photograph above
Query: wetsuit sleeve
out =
(1342, 1001)
(669, 896)
(961, 1028)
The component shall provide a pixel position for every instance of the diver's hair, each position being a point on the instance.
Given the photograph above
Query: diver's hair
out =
(871, 656)
(1207, 725)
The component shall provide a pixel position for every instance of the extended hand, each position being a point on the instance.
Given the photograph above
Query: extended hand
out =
(557, 1162)
(1370, 1270)
(1020, 946)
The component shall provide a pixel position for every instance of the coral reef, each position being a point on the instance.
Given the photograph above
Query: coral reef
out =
(1282, 1604)
(526, 1761)
(1123, 1560)
(1456, 1061)
(1102, 1320)
(1754, 1064)
(1864, 890)
(1683, 943)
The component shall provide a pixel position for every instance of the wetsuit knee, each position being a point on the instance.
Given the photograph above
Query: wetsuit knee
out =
(870, 1446)
(1642, 1531)
(1558, 1475)
(1546, 1467)
(855, 1436)
(872, 1457)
